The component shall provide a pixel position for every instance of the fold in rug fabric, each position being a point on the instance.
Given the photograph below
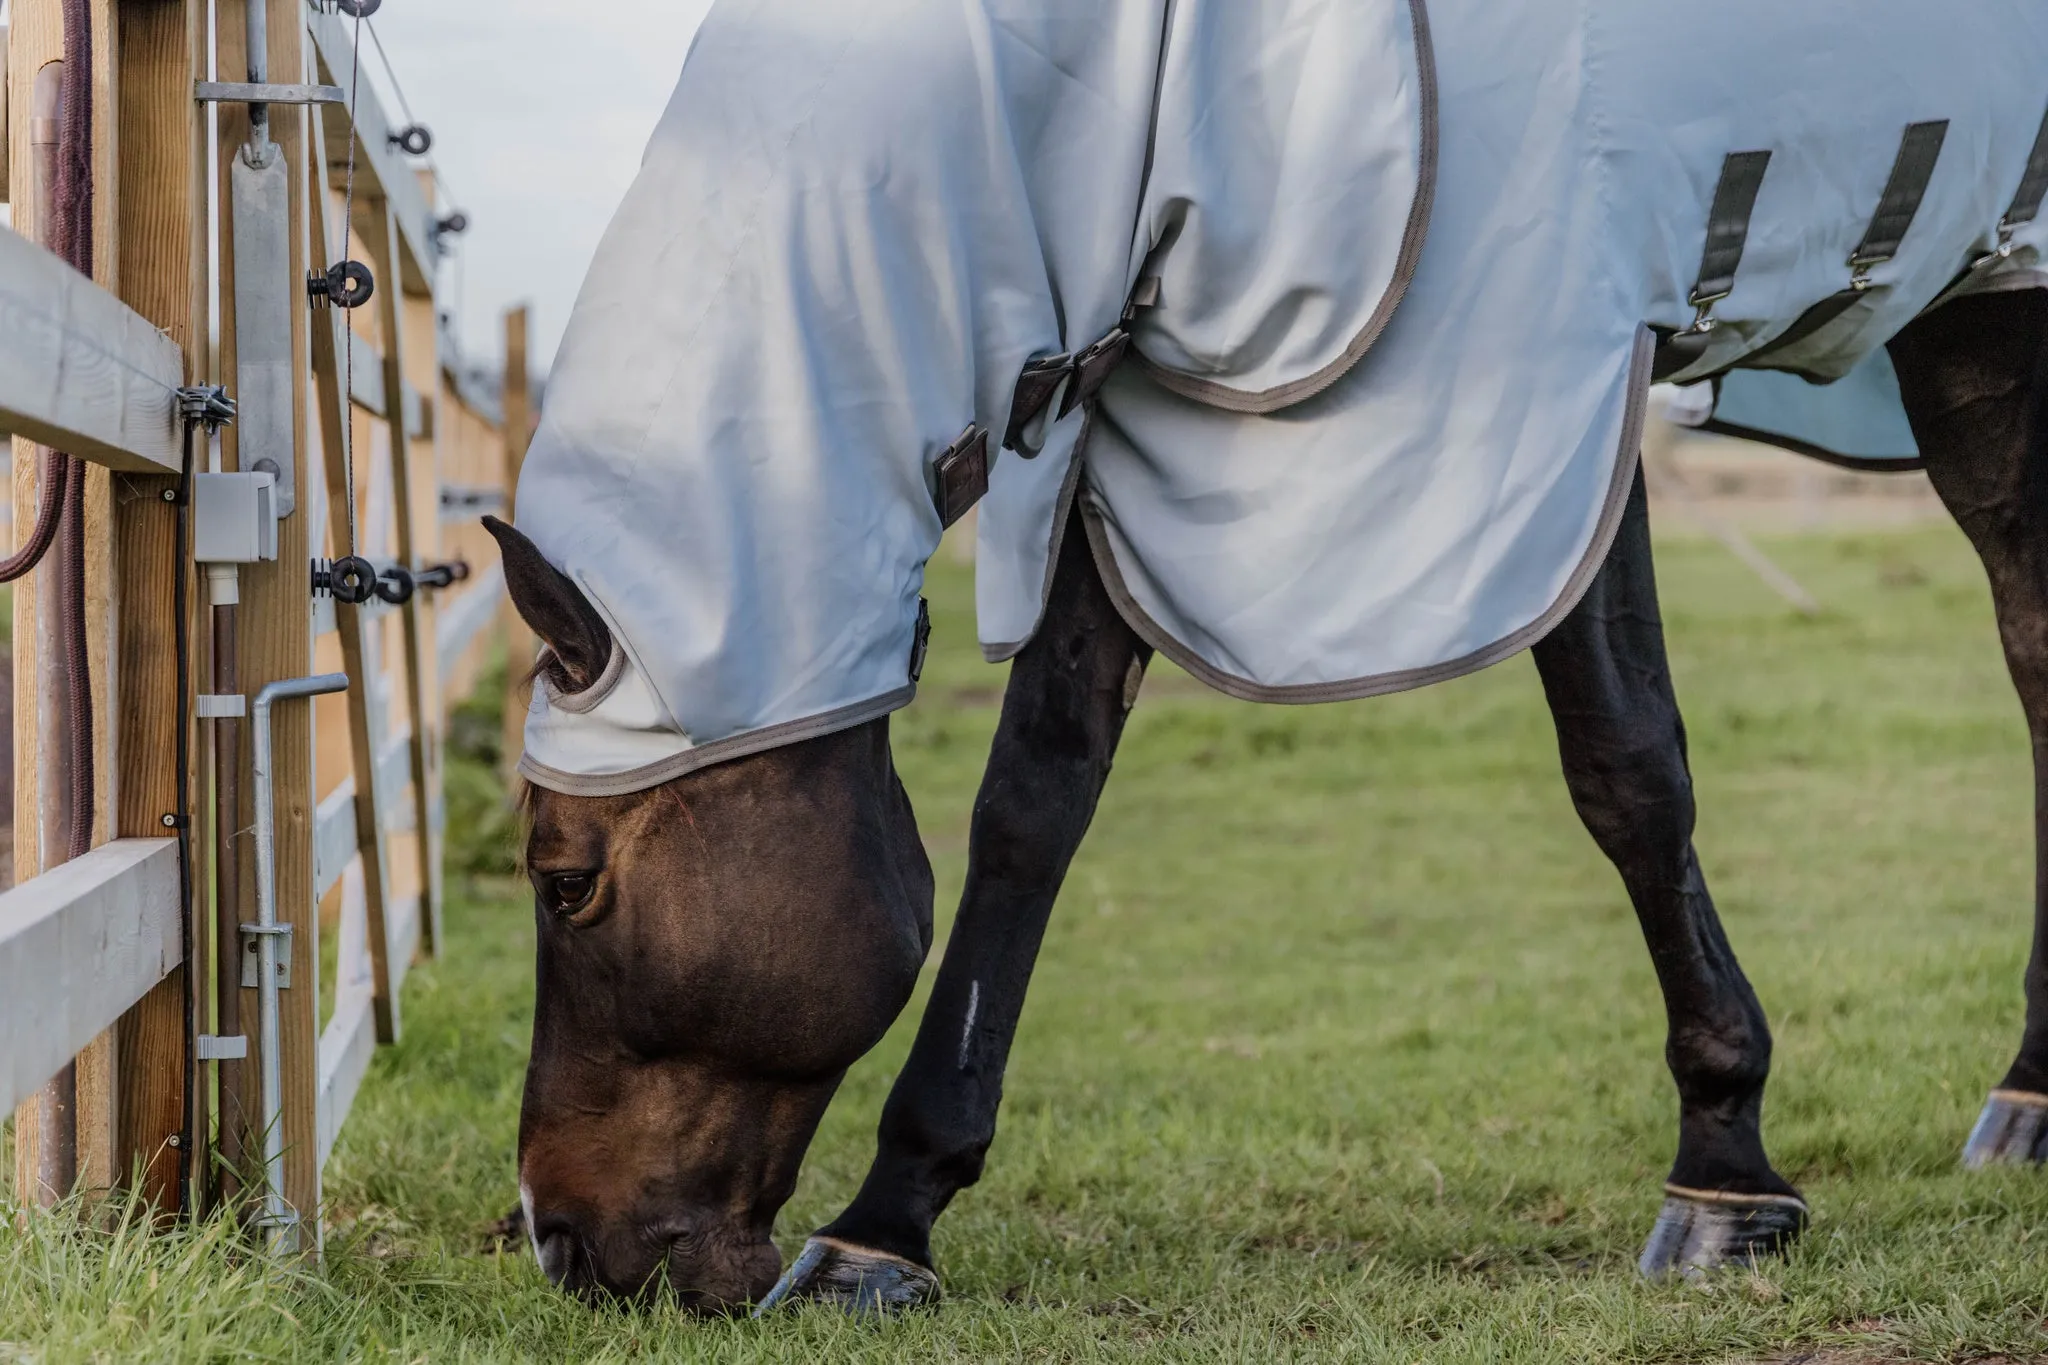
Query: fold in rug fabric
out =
(1389, 276)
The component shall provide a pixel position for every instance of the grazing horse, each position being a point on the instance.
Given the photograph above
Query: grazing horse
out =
(1305, 344)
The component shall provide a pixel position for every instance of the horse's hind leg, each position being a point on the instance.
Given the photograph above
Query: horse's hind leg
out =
(1975, 377)
(1063, 715)
(1623, 745)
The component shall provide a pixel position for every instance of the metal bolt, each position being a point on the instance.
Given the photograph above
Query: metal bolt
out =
(170, 822)
(170, 495)
(175, 1140)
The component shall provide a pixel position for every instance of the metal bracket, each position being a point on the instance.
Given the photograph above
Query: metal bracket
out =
(250, 92)
(265, 285)
(220, 706)
(216, 1048)
(206, 403)
(252, 955)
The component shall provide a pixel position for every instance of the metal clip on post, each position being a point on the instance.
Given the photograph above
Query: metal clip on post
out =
(281, 1220)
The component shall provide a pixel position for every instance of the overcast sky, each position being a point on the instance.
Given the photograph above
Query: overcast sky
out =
(540, 111)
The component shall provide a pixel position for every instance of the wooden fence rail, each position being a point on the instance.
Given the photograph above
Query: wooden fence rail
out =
(393, 452)
(79, 946)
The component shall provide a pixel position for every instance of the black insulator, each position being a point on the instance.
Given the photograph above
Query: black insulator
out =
(415, 139)
(442, 575)
(395, 585)
(351, 580)
(347, 285)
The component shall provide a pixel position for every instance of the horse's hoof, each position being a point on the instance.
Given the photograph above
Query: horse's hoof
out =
(852, 1278)
(1703, 1230)
(2012, 1131)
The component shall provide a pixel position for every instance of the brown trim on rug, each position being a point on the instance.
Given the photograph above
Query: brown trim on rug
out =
(1281, 396)
(1405, 680)
(718, 751)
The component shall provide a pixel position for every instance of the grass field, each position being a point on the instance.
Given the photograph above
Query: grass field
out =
(1344, 1045)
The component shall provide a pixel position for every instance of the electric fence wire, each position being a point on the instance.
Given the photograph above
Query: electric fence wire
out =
(404, 105)
(363, 24)
(447, 191)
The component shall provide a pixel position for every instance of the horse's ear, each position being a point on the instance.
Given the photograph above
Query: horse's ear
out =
(550, 602)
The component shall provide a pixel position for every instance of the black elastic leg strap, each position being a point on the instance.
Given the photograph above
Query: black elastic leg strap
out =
(1742, 179)
(2026, 204)
(1912, 171)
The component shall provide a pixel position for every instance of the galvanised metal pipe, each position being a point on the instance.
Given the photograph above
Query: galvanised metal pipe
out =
(230, 1077)
(277, 1218)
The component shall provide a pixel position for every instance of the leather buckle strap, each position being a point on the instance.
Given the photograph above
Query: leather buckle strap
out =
(960, 475)
(1093, 367)
(1075, 378)
(1036, 387)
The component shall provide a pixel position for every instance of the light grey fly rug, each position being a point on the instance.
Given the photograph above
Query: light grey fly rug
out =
(1336, 316)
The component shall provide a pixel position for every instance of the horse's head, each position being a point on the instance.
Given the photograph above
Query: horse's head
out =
(714, 953)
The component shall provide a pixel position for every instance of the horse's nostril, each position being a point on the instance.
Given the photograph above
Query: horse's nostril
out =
(556, 1249)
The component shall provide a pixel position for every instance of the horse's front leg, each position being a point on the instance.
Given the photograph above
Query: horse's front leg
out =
(1623, 745)
(1063, 714)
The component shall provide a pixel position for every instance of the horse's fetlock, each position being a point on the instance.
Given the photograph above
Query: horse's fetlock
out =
(1720, 1061)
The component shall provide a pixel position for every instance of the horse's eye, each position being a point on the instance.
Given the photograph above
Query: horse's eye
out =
(569, 892)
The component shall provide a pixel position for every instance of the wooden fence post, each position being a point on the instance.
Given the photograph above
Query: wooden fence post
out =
(161, 275)
(353, 624)
(412, 463)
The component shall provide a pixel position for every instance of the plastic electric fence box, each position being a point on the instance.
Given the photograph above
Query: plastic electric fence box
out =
(234, 518)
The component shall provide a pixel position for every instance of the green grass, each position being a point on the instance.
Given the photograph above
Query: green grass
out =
(1343, 1045)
